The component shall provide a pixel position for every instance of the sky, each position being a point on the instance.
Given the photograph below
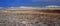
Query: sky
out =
(17, 3)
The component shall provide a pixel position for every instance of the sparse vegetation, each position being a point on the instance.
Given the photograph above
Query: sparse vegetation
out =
(28, 18)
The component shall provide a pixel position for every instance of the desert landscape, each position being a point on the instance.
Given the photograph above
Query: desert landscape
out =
(29, 17)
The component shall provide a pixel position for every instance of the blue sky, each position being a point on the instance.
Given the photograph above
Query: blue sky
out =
(16, 3)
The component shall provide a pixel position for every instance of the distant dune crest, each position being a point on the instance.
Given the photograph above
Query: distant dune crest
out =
(52, 6)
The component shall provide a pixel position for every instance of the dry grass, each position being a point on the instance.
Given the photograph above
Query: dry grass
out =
(14, 18)
(29, 11)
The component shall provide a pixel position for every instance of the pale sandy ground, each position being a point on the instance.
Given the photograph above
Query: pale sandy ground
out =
(11, 19)
(28, 18)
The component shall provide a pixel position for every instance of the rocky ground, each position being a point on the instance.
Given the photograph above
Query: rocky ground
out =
(7, 19)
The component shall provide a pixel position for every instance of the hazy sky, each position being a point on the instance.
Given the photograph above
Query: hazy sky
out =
(9, 3)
